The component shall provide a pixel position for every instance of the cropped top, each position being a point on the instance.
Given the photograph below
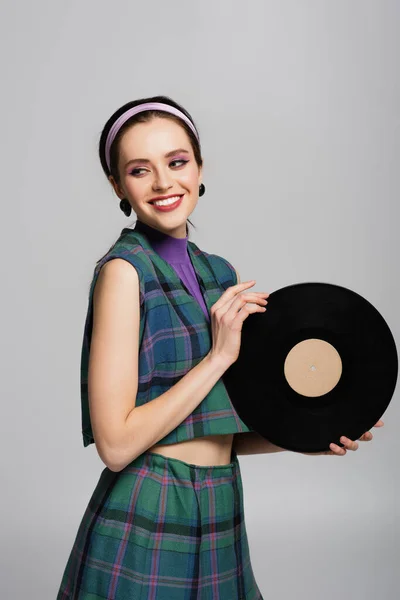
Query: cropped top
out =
(175, 331)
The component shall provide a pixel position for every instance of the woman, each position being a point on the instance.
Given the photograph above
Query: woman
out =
(166, 518)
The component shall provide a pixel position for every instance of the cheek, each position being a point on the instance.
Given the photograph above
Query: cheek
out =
(136, 185)
(190, 178)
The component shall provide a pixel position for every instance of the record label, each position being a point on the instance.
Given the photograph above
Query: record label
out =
(313, 367)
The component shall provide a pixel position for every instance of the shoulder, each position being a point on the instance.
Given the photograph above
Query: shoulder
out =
(115, 266)
(224, 263)
(118, 269)
(131, 248)
(222, 266)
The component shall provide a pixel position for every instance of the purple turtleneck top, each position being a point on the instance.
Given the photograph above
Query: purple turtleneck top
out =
(175, 252)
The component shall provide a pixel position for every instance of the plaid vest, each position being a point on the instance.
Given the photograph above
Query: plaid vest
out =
(174, 334)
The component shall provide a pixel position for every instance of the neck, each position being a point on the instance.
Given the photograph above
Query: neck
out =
(155, 230)
(170, 248)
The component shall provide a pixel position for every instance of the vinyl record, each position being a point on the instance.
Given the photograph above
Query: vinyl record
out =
(319, 363)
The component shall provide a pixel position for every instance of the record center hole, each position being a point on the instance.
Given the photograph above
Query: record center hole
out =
(313, 367)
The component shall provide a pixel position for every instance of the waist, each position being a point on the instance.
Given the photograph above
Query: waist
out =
(207, 450)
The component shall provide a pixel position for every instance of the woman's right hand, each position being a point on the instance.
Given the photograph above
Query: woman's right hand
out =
(227, 316)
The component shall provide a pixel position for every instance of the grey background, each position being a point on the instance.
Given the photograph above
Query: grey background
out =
(297, 103)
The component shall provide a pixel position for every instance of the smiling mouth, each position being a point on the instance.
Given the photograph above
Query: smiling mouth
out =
(167, 201)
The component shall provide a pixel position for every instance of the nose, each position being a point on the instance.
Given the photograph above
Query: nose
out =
(162, 180)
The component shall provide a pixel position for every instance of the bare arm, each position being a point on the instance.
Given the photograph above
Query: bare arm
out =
(252, 442)
(121, 430)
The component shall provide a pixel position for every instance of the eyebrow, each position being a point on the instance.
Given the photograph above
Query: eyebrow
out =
(146, 160)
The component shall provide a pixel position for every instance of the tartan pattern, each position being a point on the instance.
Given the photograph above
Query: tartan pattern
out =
(162, 529)
(174, 336)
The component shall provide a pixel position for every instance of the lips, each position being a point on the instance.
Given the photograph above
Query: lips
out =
(165, 197)
(173, 205)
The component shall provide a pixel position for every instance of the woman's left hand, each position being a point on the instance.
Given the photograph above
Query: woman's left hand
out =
(348, 444)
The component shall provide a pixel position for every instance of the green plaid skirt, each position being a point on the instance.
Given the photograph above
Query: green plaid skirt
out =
(163, 529)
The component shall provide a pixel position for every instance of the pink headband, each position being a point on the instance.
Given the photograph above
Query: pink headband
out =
(137, 109)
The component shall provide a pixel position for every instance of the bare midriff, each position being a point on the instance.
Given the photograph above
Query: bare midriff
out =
(209, 450)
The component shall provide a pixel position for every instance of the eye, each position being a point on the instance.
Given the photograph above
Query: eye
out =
(136, 171)
(181, 160)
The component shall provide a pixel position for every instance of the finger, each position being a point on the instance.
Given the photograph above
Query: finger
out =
(246, 310)
(337, 449)
(349, 444)
(224, 302)
(380, 423)
(242, 299)
(231, 292)
(253, 296)
(239, 304)
(366, 437)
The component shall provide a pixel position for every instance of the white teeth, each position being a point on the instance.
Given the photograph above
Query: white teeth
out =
(166, 201)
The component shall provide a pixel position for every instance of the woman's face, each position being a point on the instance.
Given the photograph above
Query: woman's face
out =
(146, 172)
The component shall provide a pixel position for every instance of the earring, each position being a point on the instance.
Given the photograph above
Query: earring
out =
(202, 189)
(125, 207)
